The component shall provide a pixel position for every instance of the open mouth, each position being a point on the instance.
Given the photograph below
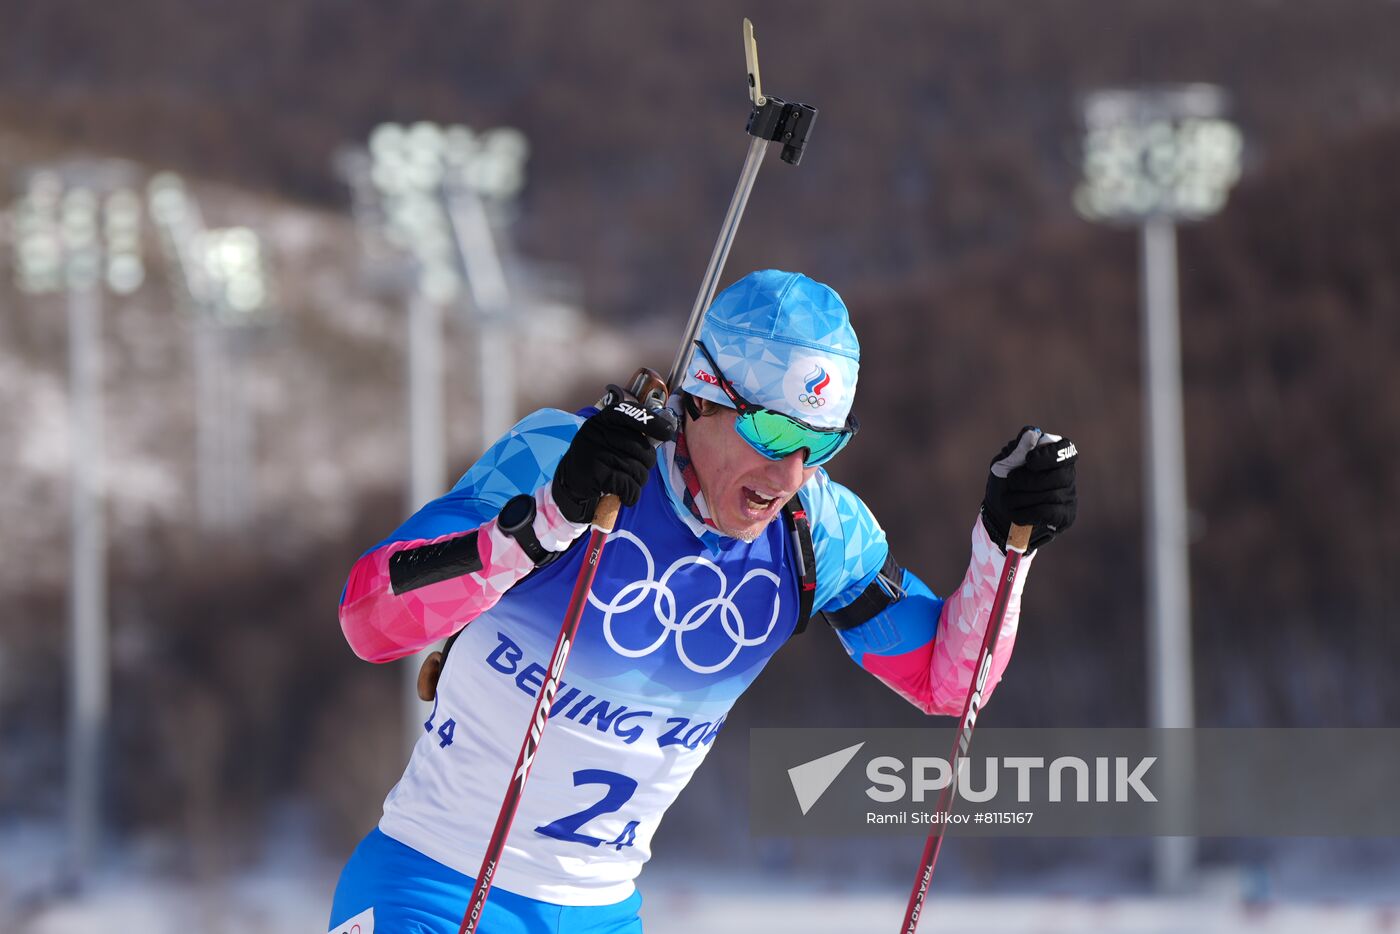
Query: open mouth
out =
(756, 504)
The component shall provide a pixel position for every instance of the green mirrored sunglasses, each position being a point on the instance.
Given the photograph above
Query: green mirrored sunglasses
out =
(775, 435)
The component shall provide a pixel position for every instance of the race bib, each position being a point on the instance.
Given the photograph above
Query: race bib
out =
(362, 923)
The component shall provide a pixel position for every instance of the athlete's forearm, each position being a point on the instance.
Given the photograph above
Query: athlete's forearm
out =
(925, 648)
(963, 626)
(405, 595)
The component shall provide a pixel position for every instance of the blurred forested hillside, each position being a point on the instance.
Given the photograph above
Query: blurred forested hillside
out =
(946, 127)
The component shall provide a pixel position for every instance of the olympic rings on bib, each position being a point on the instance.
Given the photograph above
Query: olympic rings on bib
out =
(663, 608)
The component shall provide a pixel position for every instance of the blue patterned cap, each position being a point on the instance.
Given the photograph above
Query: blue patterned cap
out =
(786, 343)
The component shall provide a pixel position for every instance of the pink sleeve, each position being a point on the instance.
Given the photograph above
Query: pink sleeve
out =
(382, 625)
(963, 625)
(930, 662)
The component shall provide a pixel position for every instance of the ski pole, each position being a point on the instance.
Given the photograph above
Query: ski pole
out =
(1016, 544)
(603, 519)
(771, 120)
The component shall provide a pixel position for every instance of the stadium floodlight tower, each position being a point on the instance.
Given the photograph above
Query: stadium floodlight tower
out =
(77, 228)
(1155, 157)
(484, 171)
(220, 280)
(423, 193)
(238, 301)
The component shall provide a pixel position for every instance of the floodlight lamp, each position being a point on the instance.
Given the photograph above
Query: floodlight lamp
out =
(385, 140)
(1163, 152)
(165, 193)
(411, 217)
(167, 205)
(37, 244)
(125, 273)
(39, 269)
(78, 221)
(78, 216)
(509, 142)
(122, 209)
(166, 181)
(39, 249)
(245, 295)
(44, 189)
(388, 176)
(231, 259)
(459, 145)
(493, 176)
(394, 151)
(122, 230)
(426, 139)
(240, 247)
(423, 172)
(223, 253)
(499, 170)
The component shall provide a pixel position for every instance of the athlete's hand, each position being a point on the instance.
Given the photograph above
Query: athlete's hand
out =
(1031, 483)
(612, 453)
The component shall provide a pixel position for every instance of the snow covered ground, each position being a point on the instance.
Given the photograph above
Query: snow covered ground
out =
(276, 905)
(289, 891)
(819, 914)
(291, 894)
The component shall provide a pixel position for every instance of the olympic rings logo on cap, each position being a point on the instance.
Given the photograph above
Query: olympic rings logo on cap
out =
(813, 384)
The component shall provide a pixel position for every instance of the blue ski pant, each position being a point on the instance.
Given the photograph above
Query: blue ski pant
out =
(412, 894)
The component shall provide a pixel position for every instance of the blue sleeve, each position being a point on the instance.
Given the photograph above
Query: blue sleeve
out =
(907, 625)
(851, 549)
(849, 544)
(520, 462)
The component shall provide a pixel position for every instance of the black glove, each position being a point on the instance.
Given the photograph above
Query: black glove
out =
(1031, 483)
(612, 453)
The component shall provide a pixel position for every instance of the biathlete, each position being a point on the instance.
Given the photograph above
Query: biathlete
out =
(730, 536)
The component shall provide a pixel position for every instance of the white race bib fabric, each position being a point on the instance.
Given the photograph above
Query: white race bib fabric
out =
(362, 923)
(679, 623)
(671, 635)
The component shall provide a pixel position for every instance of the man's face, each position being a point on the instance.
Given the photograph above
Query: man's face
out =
(743, 489)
